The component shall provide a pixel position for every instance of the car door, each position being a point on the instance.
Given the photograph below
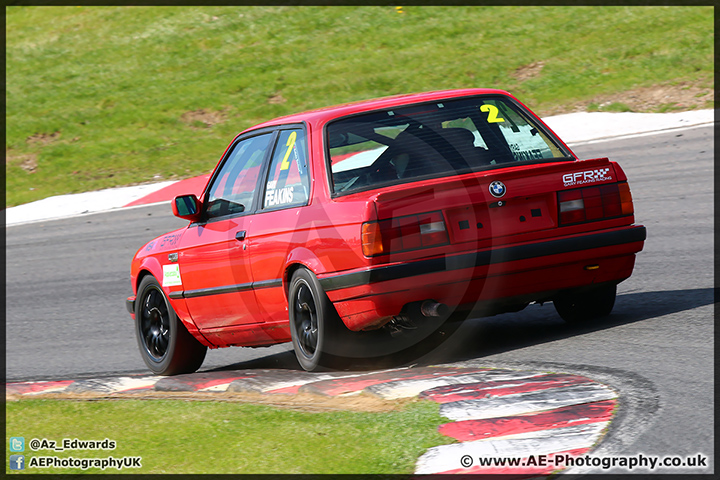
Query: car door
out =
(279, 225)
(214, 260)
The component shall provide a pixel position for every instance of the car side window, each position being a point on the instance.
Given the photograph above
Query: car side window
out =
(233, 189)
(288, 182)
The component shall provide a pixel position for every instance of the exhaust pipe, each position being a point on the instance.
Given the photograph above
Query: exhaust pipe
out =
(431, 308)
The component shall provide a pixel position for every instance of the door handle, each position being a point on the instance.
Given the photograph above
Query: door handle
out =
(240, 236)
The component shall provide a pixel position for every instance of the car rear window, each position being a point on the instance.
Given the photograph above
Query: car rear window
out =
(434, 139)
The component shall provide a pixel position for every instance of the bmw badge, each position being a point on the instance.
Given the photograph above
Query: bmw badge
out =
(497, 189)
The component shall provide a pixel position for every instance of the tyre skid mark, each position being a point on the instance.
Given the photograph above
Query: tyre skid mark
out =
(216, 386)
(495, 412)
(288, 382)
(523, 403)
(206, 381)
(452, 393)
(114, 385)
(471, 430)
(35, 388)
(346, 386)
(412, 388)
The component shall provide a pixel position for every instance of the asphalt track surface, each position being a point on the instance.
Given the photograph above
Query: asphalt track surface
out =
(67, 281)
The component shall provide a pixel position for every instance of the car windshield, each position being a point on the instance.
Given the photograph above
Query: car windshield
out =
(434, 139)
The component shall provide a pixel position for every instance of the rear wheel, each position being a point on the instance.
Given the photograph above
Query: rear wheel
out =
(574, 308)
(314, 323)
(165, 344)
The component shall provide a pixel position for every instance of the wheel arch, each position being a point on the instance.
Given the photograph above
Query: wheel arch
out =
(300, 258)
(148, 266)
(151, 266)
(290, 270)
(142, 274)
(288, 274)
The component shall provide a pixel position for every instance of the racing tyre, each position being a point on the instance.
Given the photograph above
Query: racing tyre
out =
(314, 323)
(574, 308)
(165, 344)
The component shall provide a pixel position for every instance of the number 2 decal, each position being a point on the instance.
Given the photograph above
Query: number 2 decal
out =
(290, 144)
(492, 113)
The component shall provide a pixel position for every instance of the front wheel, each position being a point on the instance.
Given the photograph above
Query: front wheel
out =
(574, 308)
(165, 344)
(314, 323)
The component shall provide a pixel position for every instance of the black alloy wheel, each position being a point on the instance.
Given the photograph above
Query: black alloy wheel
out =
(167, 348)
(315, 326)
(155, 324)
(306, 319)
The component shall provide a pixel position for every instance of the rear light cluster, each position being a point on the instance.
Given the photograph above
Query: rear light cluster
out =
(594, 203)
(399, 234)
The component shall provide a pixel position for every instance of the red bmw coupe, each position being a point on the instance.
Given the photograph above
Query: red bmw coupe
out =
(380, 216)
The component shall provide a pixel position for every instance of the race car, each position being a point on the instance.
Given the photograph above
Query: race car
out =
(335, 228)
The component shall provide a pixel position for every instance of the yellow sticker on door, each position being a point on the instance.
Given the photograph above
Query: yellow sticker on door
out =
(171, 275)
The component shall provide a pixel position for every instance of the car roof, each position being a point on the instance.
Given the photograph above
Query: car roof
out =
(322, 115)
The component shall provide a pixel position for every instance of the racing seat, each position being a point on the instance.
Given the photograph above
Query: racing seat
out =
(408, 157)
(463, 141)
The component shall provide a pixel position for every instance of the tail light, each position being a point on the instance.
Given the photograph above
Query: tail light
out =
(594, 203)
(400, 234)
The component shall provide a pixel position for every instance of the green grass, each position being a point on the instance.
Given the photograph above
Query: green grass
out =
(99, 96)
(617, 107)
(175, 436)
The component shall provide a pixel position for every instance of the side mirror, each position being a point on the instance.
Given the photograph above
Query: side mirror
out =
(186, 207)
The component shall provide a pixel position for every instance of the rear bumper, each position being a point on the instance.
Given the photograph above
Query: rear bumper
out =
(363, 296)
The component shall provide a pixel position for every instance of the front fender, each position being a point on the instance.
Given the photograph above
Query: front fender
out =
(151, 266)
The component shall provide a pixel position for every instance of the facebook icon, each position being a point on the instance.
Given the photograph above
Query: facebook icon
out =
(17, 462)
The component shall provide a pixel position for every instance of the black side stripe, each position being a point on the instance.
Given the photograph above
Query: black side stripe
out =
(442, 264)
(486, 257)
(204, 292)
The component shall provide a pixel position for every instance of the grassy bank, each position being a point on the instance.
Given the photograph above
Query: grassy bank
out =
(174, 436)
(106, 96)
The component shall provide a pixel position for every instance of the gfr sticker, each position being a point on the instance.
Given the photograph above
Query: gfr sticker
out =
(588, 176)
